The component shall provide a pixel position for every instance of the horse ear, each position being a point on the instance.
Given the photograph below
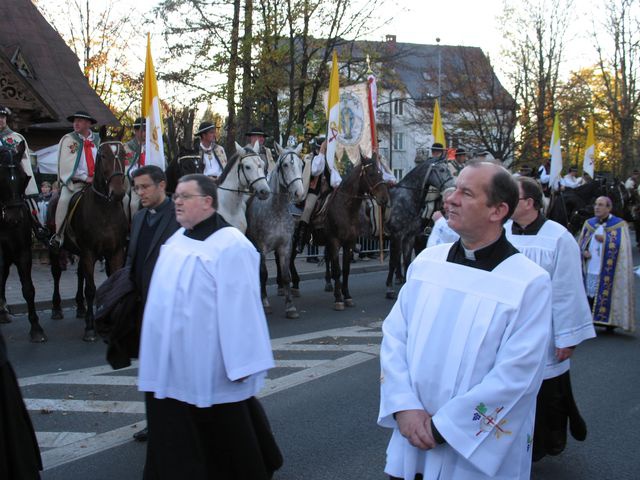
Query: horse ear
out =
(278, 148)
(299, 148)
(103, 132)
(239, 149)
(256, 147)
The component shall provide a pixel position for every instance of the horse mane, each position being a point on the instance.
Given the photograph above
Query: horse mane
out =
(231, 163)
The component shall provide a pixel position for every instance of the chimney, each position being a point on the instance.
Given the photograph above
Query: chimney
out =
(390, 39)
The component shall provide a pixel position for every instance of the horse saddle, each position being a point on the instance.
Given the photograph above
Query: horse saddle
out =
(375, 217)
(319, 216)
(69, 241)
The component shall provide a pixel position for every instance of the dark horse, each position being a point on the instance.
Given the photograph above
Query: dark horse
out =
(572, 206)
(342, 223)
(96, 228)
(15, 235)
(188, 161)
(423, 184)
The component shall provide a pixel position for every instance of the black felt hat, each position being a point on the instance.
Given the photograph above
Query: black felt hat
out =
(139, 122)
(82, 114)
(437, 146)
(5, 111)
(255, 131)
(205, 127)
(460, 151)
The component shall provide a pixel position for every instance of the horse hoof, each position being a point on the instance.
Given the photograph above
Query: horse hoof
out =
(339, 306)
(57, 315)
(349, 302)
(37, 336)
(295, 292)
(391, 294)
(292, 314)
(90, 336)
(328, 287)
(281, 292)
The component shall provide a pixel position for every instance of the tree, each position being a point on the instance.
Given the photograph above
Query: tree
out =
(618, 46)
(536, 32)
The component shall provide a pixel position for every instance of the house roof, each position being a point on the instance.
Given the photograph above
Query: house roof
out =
(48, 66)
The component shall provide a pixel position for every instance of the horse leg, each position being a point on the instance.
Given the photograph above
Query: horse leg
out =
(36, 333)
(88, 265)
(346, 268)
(264, 275)
(5, 315)
(282, 259)
(328, 285)
(407, 254)
(56, 272)
(81, 310)
(334, 252)
(279, 276)
(295, 278)
(394, 264)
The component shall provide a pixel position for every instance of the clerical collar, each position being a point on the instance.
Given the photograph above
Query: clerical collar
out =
(207, 227)
(160, 207)
(602, 221)
(532, 229)
(485, 258)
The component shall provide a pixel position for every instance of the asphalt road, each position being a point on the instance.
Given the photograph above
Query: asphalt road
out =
(322, 399)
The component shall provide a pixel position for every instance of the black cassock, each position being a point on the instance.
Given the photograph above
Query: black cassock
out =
(19, 452)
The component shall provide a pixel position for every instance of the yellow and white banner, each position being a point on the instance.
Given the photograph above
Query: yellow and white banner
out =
(154, 149)
(437, 130)
(556, 155)
(588, 164)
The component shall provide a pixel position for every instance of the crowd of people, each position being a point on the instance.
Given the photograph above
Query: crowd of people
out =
(475, 356)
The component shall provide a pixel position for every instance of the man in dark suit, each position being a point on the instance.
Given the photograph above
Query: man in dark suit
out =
(150, 228)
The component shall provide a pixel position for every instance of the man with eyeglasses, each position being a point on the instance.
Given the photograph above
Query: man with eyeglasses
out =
(551, 246)
(151, 227)
(205, 349)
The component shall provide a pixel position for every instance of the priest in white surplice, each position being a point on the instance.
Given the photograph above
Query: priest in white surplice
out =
(205, 349)
(463, 349)
(552, 247)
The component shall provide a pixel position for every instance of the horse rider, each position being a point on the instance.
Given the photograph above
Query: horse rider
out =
(11, 139)
(460, 161)
(135, 153)
(571, 179)
(319, 166)
(213, 156)
(544, 176)
(77, 153)
(256, 134)
(632, 185)
(437, 152)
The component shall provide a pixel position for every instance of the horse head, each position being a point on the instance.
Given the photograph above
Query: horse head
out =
(108, 181)
(371, 181)
(250, 170)
(439, 176)
(189, 161)
(13, 183)
(289, 171)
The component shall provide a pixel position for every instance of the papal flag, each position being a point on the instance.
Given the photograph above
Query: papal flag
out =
(588, 164)
(437, 130)
(555, 151)
(154, 150)
(333, 116)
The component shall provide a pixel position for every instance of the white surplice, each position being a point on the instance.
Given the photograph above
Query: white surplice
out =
(555, 250)
(204, 326)
(467, 346)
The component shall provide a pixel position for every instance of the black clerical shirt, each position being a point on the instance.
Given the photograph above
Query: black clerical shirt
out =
(207, 227)
(486, 258)
(532, 229)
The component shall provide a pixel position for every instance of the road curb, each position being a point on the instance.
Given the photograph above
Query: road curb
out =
(21, 308)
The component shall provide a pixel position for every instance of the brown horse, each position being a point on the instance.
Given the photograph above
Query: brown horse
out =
(96, 228)
(342, 224)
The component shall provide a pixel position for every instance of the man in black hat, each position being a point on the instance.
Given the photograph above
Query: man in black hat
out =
(11, 140)
(256, 134)
(437, 152)
(460, 161)
(212, 154)
(136, 159)
(77, 152)
(571, 179)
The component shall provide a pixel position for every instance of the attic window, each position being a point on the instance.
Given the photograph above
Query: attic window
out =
(21, 64)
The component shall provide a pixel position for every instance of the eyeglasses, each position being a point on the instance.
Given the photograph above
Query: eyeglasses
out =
(186, 196)
(143, 186)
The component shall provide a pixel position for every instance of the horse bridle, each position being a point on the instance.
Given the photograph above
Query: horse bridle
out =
(438, 175)
(281, 180)
(370, 187)
(12, 203)
(196, 160)
(115, 172)
(246, 180)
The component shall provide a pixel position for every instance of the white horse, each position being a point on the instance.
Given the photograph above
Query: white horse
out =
(242, 177)
(271, 224)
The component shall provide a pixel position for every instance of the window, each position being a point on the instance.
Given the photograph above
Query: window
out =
(397, 172)
(398, 141)
(398, 107)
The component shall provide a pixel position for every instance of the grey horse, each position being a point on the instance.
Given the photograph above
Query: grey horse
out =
(270, 225)
(424, 183)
